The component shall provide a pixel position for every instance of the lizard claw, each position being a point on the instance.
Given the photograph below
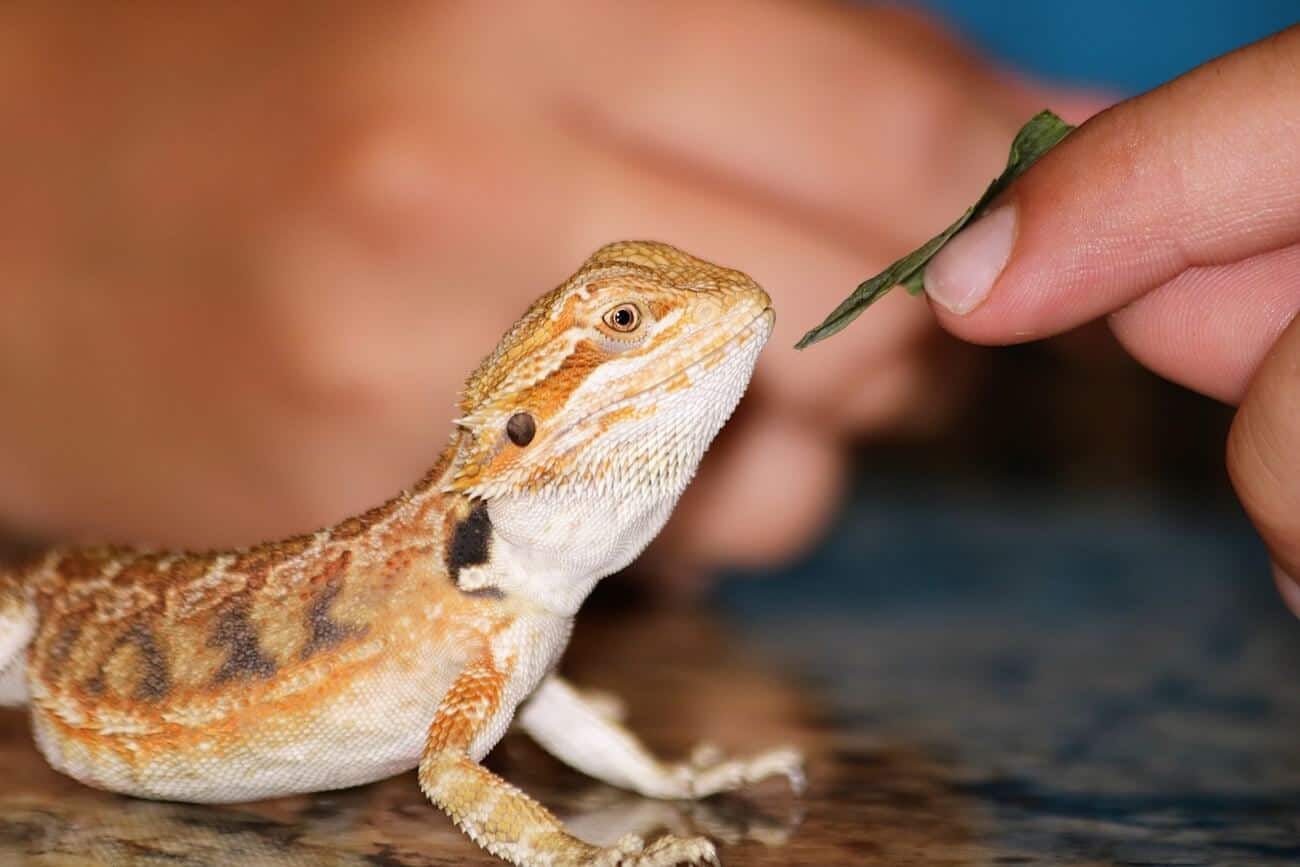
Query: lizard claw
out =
(671, 851)
(709, 771)
(667, 851)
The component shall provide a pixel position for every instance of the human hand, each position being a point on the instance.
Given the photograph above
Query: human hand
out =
(1177, 215)
(252, 252)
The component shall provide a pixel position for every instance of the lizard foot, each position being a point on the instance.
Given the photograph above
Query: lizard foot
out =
(709, 771)
(667, 851)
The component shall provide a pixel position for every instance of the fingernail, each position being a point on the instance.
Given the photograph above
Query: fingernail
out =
(960, 277)
(1288, 588)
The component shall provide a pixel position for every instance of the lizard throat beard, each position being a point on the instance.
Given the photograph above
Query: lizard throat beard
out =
(611, 494)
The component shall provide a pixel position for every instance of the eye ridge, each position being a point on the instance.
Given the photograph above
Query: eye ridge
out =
(623, 318)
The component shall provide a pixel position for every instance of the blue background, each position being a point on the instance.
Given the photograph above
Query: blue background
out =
(1126, 47)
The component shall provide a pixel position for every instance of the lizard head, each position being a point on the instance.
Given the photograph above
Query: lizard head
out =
(599, 403)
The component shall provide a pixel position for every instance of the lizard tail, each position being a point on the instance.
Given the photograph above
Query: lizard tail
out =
(17, 624)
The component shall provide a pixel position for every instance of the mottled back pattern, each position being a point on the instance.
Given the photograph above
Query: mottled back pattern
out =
(125, 628)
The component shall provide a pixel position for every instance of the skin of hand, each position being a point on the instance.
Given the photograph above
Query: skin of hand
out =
(249, 254)
(1177, 216)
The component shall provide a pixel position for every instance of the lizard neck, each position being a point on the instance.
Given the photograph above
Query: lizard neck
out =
(547, 546)
(556, 549)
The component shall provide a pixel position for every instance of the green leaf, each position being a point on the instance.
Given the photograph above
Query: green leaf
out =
(1035, 138)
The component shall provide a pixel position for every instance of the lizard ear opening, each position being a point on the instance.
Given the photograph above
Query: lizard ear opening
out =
(521, 428)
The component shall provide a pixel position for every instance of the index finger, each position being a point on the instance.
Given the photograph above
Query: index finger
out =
(1199, 172)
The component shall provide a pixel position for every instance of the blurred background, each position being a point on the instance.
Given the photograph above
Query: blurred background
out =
(1057, 591)
(247, 256)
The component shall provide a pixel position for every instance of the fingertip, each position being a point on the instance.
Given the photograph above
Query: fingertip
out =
(963, 273)
(1288, 588)
(1071, 253)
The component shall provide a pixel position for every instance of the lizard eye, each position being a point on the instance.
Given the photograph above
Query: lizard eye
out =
(623, 318)
(521, 428)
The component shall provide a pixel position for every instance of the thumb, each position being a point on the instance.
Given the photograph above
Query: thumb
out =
(1202, 171)
(1262, 458)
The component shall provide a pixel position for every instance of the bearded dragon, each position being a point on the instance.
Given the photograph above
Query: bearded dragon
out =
(411, 635)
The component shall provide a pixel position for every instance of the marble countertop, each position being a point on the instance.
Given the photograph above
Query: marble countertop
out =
(1096, 680)
(978, 678)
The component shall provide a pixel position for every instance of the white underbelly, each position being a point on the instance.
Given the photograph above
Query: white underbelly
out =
(374, 729)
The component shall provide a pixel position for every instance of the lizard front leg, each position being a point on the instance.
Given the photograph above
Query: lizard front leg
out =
(584, 736)
(501, 818)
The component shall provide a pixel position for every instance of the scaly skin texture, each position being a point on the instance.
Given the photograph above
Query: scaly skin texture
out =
(409, 636)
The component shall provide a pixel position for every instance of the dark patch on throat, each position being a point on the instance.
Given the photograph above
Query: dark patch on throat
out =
(471, 543)
(236, 633)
